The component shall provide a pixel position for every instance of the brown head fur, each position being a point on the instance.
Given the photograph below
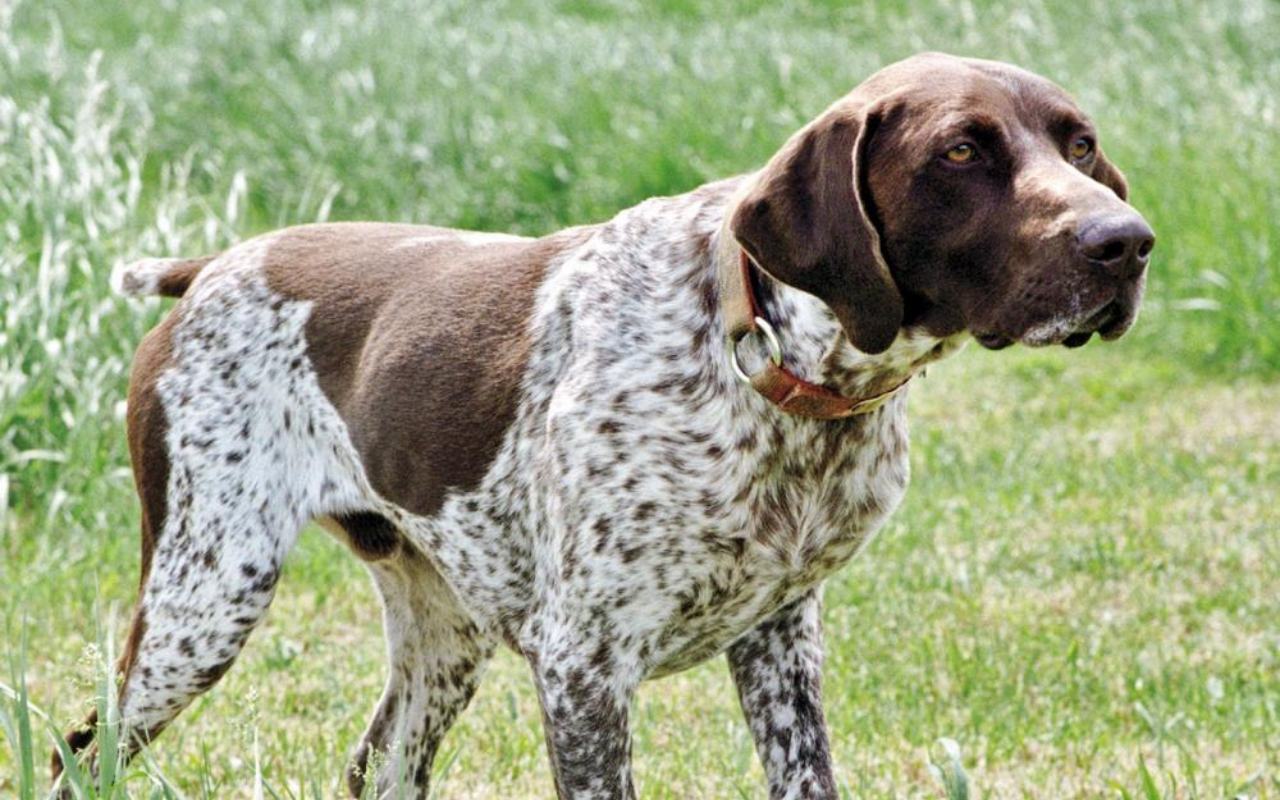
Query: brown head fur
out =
(863, 209)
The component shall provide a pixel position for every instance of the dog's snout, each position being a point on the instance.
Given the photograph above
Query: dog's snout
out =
(1119, 243)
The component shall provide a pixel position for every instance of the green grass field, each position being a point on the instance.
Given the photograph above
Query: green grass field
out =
(1083, 587)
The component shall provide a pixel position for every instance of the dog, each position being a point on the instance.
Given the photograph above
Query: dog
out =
(619, 449)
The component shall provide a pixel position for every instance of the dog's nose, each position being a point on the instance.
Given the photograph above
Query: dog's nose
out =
(1119, 243)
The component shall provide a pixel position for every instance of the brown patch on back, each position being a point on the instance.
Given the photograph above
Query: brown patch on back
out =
(420, 345)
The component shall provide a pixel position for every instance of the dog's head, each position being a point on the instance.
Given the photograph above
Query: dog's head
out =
(952, 194)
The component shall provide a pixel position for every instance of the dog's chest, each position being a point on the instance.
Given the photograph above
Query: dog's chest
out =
(684, 523)
(796, 507)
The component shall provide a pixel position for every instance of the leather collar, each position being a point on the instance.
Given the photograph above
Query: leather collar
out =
(743, 317)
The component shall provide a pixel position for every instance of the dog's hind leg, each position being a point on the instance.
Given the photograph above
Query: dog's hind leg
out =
(232, 454)
(437, 656)
(147, 428)
(218, 519)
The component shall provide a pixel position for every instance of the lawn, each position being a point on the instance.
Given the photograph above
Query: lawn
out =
(1082, 589)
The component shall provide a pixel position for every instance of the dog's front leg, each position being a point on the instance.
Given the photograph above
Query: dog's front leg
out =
(586, 691)
(777, 667)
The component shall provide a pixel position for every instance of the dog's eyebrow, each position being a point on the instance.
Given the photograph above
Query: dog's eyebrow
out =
(1063, 121)
(981, 127)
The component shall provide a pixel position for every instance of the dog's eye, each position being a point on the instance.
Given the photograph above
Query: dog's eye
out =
(962, 154)
(1080, 149)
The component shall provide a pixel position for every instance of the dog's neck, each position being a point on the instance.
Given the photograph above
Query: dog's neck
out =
(815, 347)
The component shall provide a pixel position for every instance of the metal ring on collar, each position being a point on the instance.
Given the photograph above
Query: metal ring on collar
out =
(771, 341)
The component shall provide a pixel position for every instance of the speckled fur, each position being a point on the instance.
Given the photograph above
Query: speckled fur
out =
(645, 511)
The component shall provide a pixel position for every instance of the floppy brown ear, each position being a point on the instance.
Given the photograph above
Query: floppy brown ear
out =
(1108, 175)
(806, 222)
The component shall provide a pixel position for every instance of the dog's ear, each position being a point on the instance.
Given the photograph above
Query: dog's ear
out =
(1108, 175)
(807, 221)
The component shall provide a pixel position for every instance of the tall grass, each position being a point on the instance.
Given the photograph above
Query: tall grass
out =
(33, 735)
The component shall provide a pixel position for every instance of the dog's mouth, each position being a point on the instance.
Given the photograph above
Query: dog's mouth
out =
(1109, 321)
(1103, 322)
(993, 341)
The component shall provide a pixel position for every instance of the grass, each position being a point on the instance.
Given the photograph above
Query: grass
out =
(1080, 590)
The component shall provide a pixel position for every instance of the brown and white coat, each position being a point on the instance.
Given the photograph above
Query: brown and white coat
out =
(542, 442)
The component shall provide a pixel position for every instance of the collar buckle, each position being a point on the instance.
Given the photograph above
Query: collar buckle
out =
(761, 326)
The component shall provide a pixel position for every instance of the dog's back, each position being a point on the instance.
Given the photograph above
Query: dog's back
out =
(426, 382)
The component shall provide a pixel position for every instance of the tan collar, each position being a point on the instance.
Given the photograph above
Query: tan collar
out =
(779, 385)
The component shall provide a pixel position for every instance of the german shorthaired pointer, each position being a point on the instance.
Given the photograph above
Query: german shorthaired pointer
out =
(619, 449)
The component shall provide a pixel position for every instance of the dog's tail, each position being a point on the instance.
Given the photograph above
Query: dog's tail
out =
(167, 277)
